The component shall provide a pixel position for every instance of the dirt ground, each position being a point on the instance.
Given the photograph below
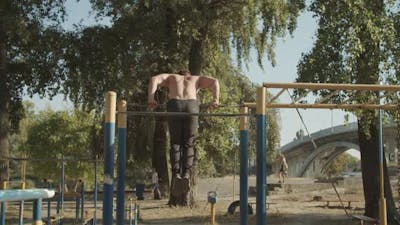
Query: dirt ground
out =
(293, 204)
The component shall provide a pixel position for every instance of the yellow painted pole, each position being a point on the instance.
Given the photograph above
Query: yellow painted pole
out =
(261, 149)
(212, 218)
(109, 142)
(244, 167)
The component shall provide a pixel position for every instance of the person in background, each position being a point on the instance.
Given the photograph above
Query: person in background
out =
(155, 185)
(283, 168)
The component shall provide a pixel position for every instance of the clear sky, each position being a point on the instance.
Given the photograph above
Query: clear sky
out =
(288, 53)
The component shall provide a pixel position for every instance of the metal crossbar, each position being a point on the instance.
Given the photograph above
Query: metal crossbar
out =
(151, 113)
(331, 86)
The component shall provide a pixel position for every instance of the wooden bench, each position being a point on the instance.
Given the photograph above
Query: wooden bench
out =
(337, 201)
(365, 219)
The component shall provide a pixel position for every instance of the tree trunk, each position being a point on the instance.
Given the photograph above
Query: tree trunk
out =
(367, 72)
(196, 56)
(159, 158)
(369, 146)
(4, 100)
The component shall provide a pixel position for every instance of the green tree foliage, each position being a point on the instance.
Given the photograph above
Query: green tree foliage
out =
(149, 37)
(355, 44)
(53, 135)
(29, 60)
(195, 34)
(342, 163)
(18, 139)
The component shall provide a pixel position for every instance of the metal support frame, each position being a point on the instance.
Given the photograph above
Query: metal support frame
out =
(261, 133)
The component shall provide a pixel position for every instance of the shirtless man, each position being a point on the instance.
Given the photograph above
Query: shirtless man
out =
(182, 95)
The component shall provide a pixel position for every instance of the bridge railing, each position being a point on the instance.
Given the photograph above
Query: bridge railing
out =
(35, 195)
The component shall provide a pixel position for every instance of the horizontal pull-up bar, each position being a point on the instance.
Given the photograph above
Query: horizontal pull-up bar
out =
(334, 106)
(27, 194)
(324, 106)
(68, 159)
(152, 113)
(332, 86)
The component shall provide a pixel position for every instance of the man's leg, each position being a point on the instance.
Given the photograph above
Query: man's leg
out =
(189, 135)
(175, 125)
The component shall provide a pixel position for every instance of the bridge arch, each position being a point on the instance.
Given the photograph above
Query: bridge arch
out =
(333, 148)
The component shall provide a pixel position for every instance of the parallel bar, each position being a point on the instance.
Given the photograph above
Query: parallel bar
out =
(244, 167)
(121, 162)
(27, 194)
(109, 136)
(134, 113)
(331, 86)
(332, 106)
(261, 212)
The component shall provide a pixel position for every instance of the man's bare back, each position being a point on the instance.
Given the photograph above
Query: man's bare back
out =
(182, 87)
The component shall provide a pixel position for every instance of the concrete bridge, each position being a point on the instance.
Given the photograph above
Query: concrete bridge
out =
(305, 160)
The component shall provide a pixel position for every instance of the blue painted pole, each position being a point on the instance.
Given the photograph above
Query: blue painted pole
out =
(261, 147)
(62, 188)
(77, 208)
(58, 205)
(82, 185)
(48, 205)
(136, 215)
(109, 136)
(130, 212)
(96, 169)
(121, 162)
(244, 167)
(21, 206)
(3, 207)
(382, 199)
(3, 214)
(37, 212)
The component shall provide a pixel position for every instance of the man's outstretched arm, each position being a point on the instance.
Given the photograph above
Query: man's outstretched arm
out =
(154, 82)
(213, 85)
